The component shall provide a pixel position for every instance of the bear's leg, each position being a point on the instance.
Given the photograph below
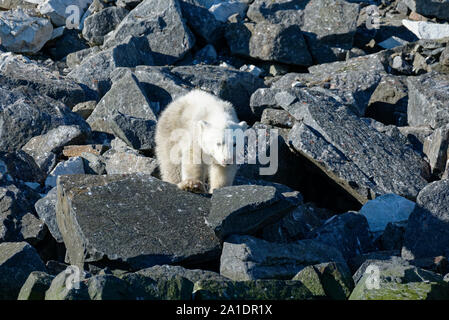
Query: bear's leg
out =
(192, 174)
(221, 176)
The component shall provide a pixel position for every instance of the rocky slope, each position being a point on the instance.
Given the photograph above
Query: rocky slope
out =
(358, 207)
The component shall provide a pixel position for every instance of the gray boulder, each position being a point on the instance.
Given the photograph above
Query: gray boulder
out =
(347, 232)
(427, 232)
(160, 23)
(17, 261)
(358, 166)
(427, 100)
(202, 21)
(46, 210)
(168, 272)
(249, 258)
(22, 31)
(95, 69)
(438, 9)
(20, 167)
(256, 290)
(17, 219)
(388, 208)
(269, 42)
(397, 280)
(125, 96)
(35, 286)
(25, 113)
(245, 209)
(45, 148)
(232, 85)
(18, 70)
(435, 147)
(74, 165)
(97, 25)
(138, 133)
(95, 224)
(329, 26)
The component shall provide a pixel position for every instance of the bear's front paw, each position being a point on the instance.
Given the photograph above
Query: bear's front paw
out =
(192, 186)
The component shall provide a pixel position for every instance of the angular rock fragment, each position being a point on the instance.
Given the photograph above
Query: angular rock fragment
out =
(160, 24)
(133, 220)
(338, 129)
(427, 232)
(245, 209)
(22, 31)
(17, 261)
(125, 96)
(427, 102)
(249, 258)
(36, 285)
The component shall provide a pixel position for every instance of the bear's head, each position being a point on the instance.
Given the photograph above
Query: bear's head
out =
(220, 142)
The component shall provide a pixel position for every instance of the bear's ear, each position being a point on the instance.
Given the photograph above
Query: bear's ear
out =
(243, 125)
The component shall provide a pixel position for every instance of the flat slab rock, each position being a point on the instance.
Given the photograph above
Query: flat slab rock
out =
(245, 209)
(133, 219)
(364, 161)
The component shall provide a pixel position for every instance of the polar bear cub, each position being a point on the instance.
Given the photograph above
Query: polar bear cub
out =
(195, 143)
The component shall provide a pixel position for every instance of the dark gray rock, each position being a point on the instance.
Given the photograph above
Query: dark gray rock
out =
(128, 161)
(435, 147)
(232, 85)
(245, 209)
(427, 232)
(108, 287)
(17, 217)
(277, 118)
(328, 26)
(350, 87)
(249, 258)
(169, 272)
(74, 59)
(393, 236)
(69, 42)
(162, 288)
(347, 232)
(388, 103)
(438, 9)
(252, 290)
(19, 71)
(94, 215)
(160, 24)
(262, 99)
(160, 85)
(45, 148)
(360, 168)
(428, 95)
(46, 210)
(202, 21)
(396, 279)
(17, 261)
(207, 55)
(269, 42)
(296, 225)
(330, 279)
(25, 113)
(97, 25)
(125, 96)
(95, 69)
(35, 286)
(21, 167)
(138, 133)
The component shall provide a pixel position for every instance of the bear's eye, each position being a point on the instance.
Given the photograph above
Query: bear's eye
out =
(218, 144)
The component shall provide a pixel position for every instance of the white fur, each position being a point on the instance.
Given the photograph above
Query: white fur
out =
(187, 136)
